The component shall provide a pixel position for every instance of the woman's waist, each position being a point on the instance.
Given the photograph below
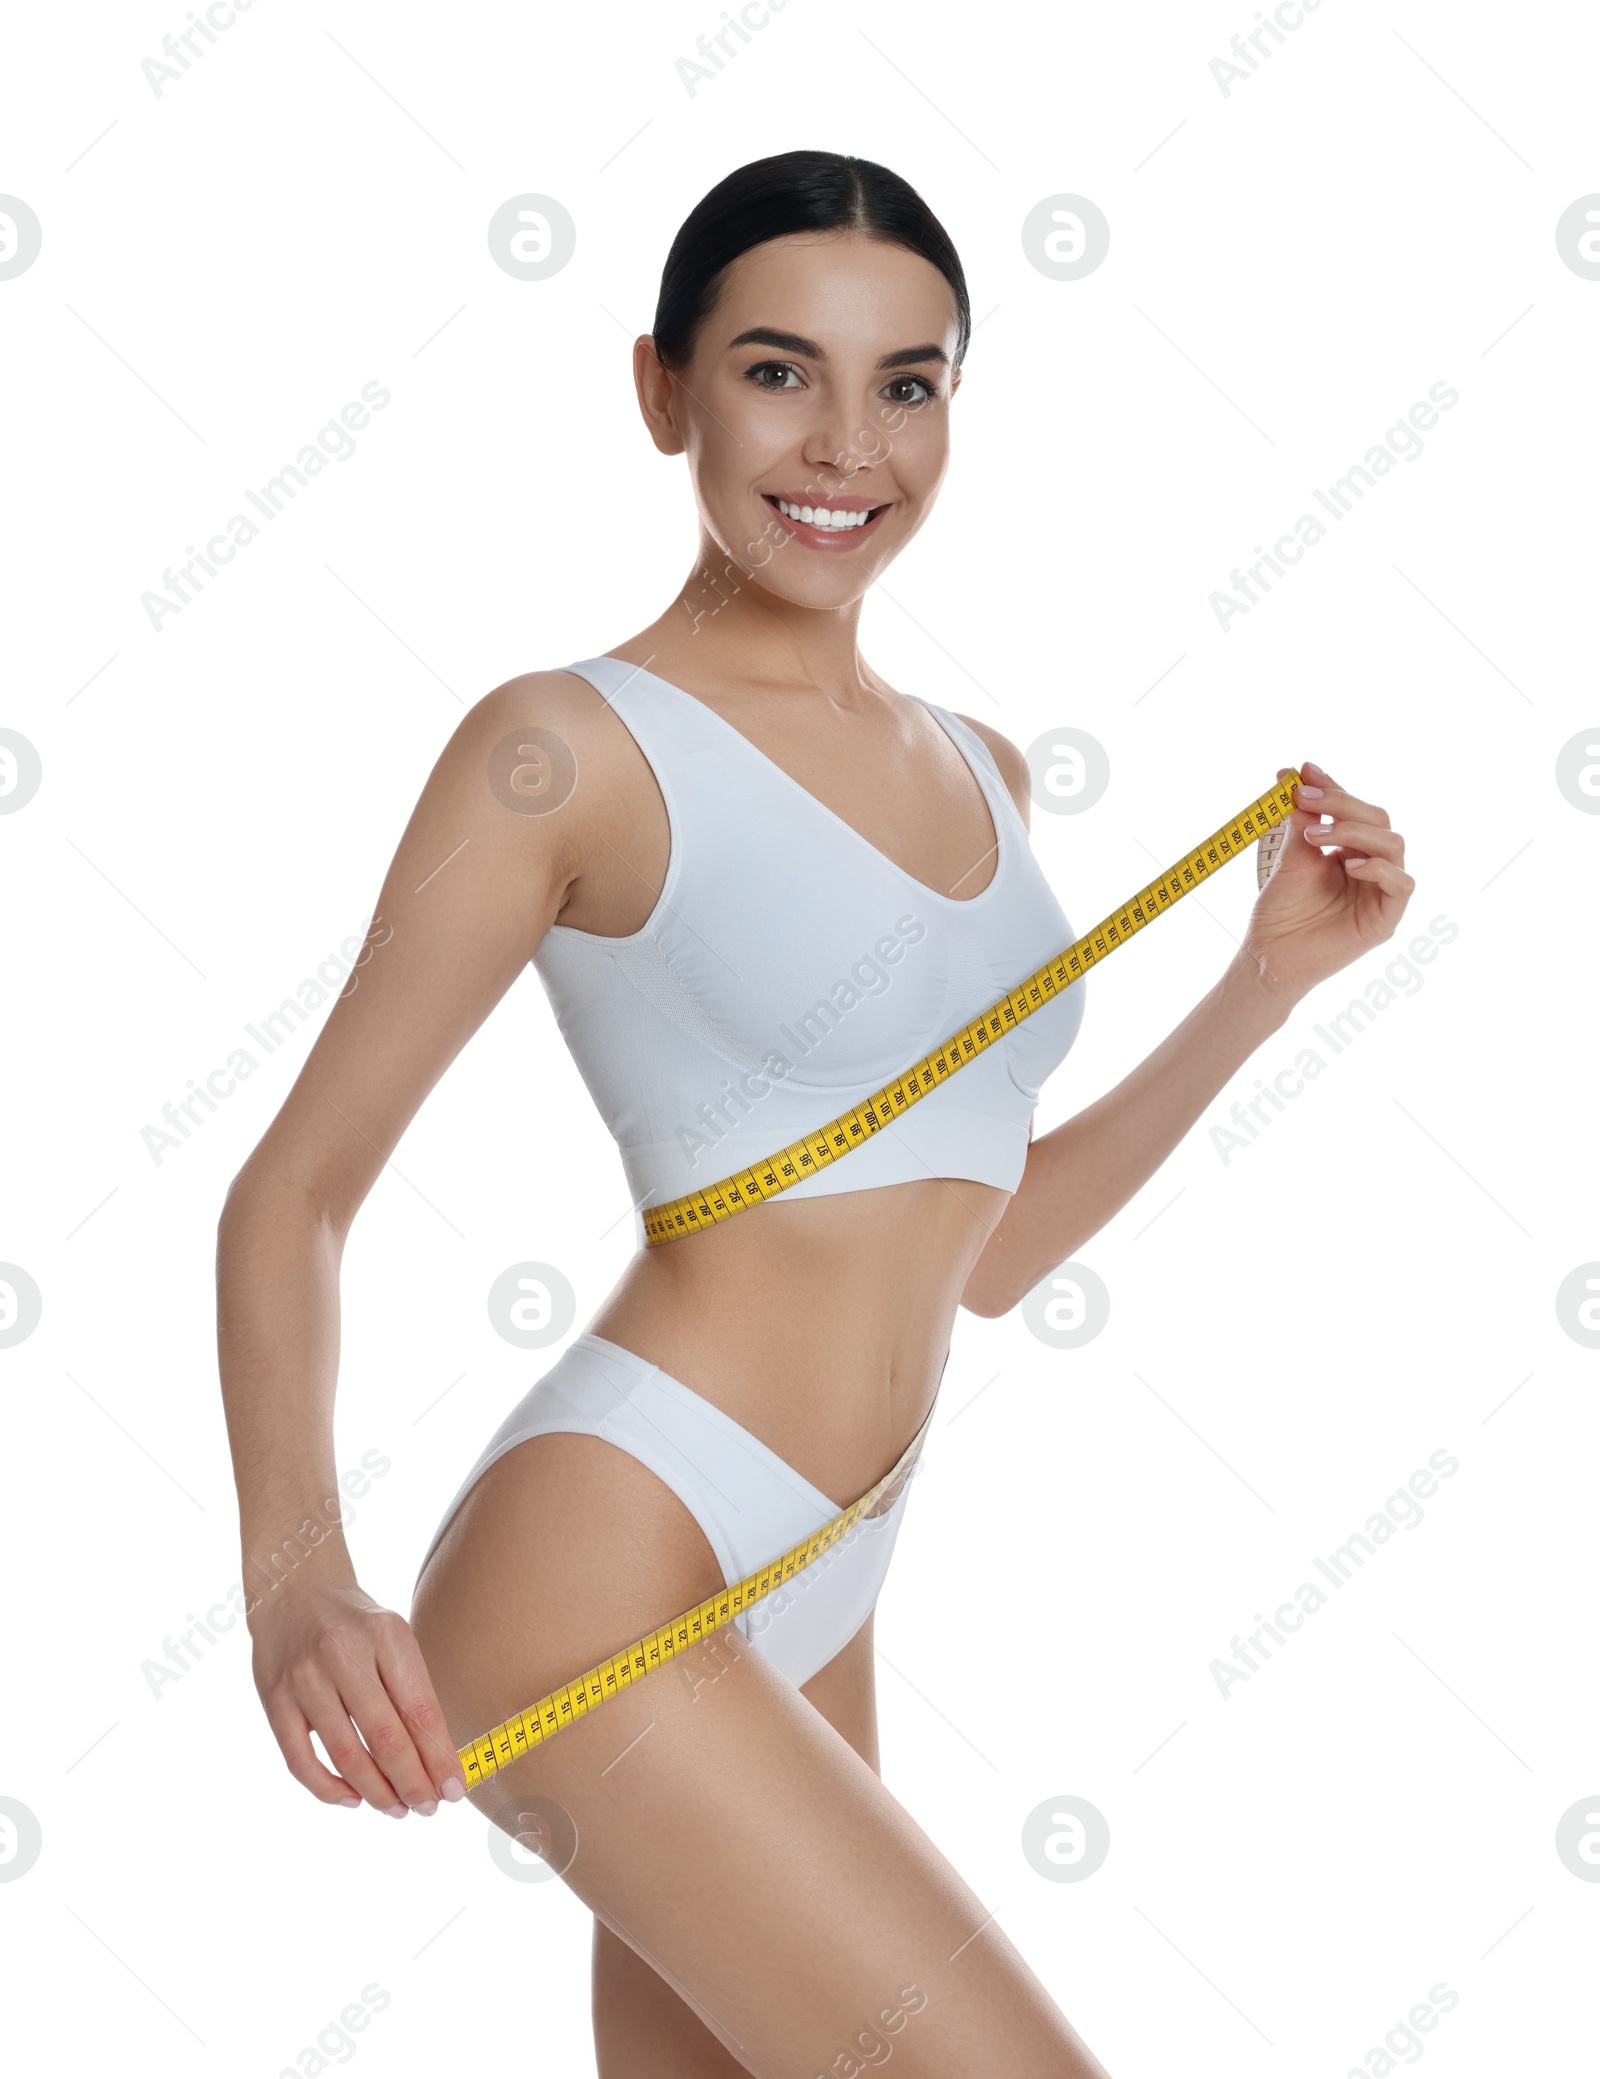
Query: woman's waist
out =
(884, 1266)
(823, 1328)
(840, 1424)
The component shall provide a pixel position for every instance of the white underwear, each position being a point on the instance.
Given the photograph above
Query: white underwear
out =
(751, 1504)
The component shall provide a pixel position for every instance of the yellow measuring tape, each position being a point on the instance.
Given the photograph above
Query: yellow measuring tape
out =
(701, 1209)
(481, 1758)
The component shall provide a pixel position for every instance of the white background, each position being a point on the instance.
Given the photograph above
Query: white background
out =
(1292, 1332)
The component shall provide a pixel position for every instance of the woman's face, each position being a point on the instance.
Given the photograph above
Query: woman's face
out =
(815, 410)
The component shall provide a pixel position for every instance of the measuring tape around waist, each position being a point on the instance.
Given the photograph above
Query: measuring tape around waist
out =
(483, 1757)
(698, 1210)
(1263, 819)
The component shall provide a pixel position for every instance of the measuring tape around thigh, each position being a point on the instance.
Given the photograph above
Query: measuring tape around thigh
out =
(1262, 820)
(481, 1758)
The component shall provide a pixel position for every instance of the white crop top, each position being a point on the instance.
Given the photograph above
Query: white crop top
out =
(790, 969)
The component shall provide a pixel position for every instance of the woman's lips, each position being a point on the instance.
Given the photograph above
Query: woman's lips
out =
(827, 536)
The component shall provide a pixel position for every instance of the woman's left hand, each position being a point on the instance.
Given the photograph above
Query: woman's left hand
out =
(1320, 910)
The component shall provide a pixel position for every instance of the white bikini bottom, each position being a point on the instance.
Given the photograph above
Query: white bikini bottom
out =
(751, 1504)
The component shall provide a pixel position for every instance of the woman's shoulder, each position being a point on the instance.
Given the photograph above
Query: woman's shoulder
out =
(551, 690)
(1010, 763)
(532, 735)
(554, 699)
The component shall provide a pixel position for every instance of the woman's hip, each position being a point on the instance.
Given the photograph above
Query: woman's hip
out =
(749, 1503)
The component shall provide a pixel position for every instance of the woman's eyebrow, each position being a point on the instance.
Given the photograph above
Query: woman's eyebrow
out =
(907, 355)
(793, 343)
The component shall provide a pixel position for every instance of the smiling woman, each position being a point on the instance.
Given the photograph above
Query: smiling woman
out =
(753, 804)
(796, 215)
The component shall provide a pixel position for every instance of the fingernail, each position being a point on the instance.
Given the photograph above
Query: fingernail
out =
(351, 1804)
(1310, 793)
(397, 1811)
(455, 1789)
(427, 1808)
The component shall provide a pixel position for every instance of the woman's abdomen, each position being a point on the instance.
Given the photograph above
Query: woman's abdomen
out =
(821, 1325)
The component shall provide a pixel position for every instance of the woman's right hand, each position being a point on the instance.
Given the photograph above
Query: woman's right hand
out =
(329, 1660)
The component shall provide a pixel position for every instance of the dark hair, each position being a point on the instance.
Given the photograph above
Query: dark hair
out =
(793, 191)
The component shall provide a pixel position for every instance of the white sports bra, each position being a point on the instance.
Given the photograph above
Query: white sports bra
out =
(790, 969)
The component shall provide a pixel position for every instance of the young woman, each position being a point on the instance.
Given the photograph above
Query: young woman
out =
(756, 882)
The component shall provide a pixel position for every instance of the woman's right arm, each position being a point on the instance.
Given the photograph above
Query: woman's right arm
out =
(474, 885)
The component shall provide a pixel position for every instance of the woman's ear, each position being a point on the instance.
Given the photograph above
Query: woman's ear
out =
(657, 396)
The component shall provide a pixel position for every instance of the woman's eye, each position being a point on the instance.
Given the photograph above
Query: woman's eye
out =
(913, 383)
(763, 369)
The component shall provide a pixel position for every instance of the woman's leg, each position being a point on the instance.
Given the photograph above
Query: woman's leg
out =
(642, 2030)
(723, 1827)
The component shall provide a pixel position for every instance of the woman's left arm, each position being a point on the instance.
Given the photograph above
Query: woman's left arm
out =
(1318, 911)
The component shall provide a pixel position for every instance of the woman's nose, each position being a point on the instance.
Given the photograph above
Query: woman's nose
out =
(833, 445)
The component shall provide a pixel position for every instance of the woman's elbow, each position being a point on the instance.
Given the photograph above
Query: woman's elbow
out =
(985, 1294)
(261, 1192)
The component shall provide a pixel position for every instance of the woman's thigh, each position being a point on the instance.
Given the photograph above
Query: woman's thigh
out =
(710, 1816)
(642, 2029)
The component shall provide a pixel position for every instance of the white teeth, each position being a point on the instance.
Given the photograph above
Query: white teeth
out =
(822, 515)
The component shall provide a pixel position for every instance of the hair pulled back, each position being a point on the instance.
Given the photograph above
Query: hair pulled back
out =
(770, 198)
